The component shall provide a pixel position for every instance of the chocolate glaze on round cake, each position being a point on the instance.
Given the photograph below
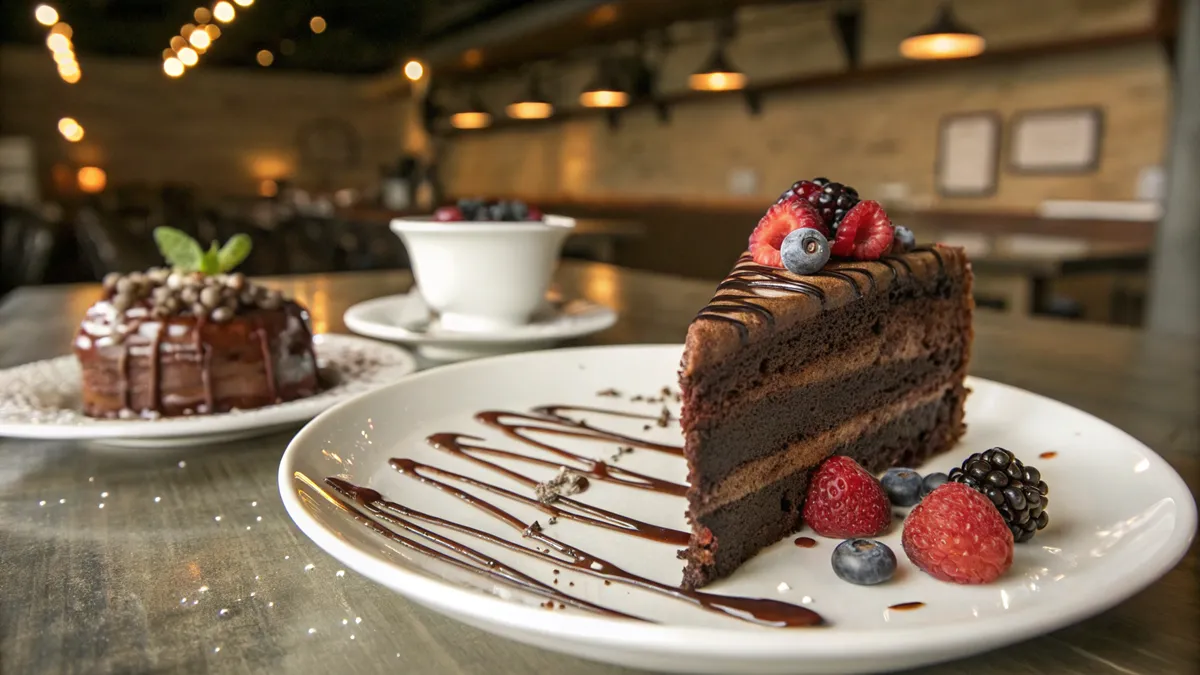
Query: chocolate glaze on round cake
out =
(165, 343)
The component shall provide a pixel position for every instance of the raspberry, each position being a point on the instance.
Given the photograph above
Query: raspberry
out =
(779, 221)
(956, 535)
(865, 233)
(844, 501)
(448, 213)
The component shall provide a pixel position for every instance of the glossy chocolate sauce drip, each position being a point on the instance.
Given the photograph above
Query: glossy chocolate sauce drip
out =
(548, 420)
(907, 606)
(264, 345)
(155, 359)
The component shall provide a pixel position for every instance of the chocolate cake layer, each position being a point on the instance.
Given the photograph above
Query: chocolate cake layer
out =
(781, 370)
(736, 531)
(182, 365)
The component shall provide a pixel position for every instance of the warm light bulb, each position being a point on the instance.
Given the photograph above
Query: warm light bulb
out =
(604, 99)
(186, 30)
(244, 3)
(178, 42)
(317, 24)
(199, 39)
(46, 15)
(202, 15)
(529, 110)
(173, 67)
(268, 188)
(68, 68)
(716, 81)
(413, 70)
(72, 78)
(942, 46)
(470, 120)
(92, 179)
(212, 30)
(62, 28)
(188, 56)
(223, 12)
(58, 42)
(264, 58)
(64, 56)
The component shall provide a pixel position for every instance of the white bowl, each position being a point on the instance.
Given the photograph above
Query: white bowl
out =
(483, 276)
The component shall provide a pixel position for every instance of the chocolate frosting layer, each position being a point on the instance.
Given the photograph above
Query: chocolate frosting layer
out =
(135, 363)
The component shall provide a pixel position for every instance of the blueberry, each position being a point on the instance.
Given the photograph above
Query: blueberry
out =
(498, 211)
(865, 562)
(804, 251)
(932, 481)
(518, 210)
(905, 236)
(903, 486)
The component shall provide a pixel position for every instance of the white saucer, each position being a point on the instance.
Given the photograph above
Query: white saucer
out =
(406, 319)
(1120, 519)
(40, 400)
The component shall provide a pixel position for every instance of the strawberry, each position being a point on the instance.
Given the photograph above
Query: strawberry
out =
(865, 233)
(844, 501)
(780, 220)
(955, 534)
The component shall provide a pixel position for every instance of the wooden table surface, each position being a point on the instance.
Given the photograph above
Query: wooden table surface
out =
(184, 560)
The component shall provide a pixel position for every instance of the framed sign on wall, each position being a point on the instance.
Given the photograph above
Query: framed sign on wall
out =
(1060, 140)
(968, 154)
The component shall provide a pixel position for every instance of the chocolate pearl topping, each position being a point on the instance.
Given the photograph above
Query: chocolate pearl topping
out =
(165, 293)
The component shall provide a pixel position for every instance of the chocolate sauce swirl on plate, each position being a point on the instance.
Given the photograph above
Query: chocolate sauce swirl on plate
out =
(407, 526)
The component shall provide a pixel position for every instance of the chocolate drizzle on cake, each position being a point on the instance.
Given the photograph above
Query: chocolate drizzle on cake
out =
(401, 520)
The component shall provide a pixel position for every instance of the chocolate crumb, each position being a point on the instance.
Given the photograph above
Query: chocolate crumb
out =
(556, 571)
(565, 483)
(561, 606)
(664, 417)
(607, 582)
(608, 392)
(534, 528)
(621, 450)
(647, 427)
(556, 581)
(638, 398)
(570, 583)
(552, 520)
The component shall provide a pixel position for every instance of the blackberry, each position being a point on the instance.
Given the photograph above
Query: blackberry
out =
(1018, 491)
(832, 200)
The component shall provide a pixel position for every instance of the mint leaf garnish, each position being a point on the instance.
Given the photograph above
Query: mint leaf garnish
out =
(210, 260)
(178, 249)
(234, 252)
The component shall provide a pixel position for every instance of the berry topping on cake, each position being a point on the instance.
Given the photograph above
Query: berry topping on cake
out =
(865, 233)
(781, 220)
(865, 562)
(844, 501)
(903, 486)
(956, 535)
(903, 240)
(804, 251)
(1017, 491)
(832, 200)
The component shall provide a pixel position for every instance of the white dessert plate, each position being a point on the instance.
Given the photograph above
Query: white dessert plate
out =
(406, 319)
(42, 400)
(1120, 517)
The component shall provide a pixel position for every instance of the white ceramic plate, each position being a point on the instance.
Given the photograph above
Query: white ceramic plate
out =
(406, 319)
(41, 400)
(1120, 518)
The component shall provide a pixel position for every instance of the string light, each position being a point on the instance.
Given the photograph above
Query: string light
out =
(63, 28)
(46, 15)
(413, 70)
(188, 56)
(58, 42)
(177, 43)
(317, 25)
(173, 67)
(213, 31)
(92, 179)
(202, 15)
(199, 39)
(244, 3)
(224, 12)
(70, 129)
(71, 78)
(264, 58)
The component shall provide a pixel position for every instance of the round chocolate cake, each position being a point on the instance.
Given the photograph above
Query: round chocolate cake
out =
(170, 342)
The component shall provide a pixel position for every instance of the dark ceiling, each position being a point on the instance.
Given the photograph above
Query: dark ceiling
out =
(363, 36)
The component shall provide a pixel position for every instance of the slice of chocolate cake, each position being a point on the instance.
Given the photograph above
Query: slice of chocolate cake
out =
(864, 358)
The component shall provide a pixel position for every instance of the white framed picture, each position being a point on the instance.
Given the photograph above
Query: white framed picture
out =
(968, 154)
(1061, 140)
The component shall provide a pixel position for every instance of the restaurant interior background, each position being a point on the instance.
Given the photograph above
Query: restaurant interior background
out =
(1064, 156)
